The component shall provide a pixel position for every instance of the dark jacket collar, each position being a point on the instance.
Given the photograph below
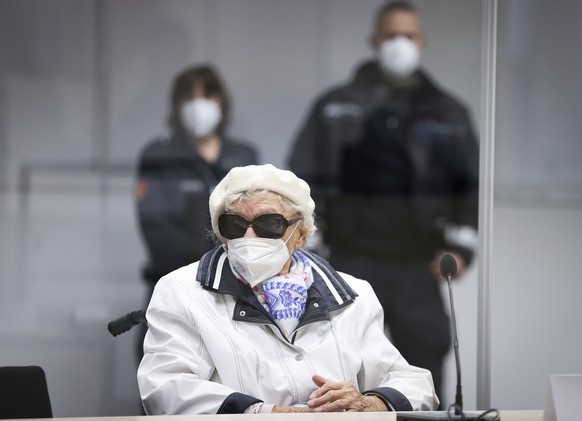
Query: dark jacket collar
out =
(328, 292)
(368, 75)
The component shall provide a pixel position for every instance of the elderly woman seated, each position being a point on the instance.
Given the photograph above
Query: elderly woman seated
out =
(260, 325)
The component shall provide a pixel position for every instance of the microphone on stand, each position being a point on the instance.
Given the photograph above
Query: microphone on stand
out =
(448, 270)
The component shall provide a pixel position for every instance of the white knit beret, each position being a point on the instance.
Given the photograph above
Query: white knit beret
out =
(260, 177)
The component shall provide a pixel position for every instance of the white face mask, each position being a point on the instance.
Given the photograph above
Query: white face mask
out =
(200, 116)
(258, 259)
(399, 56)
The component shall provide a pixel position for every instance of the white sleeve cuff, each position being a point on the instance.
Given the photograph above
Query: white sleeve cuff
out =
(266, 408)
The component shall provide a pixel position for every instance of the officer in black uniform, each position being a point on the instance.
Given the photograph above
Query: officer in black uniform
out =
(176, 174)
(392, 160)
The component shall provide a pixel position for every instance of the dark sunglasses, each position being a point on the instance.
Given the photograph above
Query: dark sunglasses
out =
(269, 225)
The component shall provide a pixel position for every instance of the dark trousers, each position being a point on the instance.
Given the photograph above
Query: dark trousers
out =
(413, 307)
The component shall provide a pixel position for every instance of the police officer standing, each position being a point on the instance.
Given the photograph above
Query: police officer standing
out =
(393, 163)
(177, 173)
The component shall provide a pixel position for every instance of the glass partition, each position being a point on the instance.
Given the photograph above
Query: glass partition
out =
(85, 86)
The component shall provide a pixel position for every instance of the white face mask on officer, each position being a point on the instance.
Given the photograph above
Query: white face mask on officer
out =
(200, 116)
(399, 56)
(258, 259)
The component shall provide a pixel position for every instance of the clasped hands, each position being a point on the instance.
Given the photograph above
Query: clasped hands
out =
(336, 397)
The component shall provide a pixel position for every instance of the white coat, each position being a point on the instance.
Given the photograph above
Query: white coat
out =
(212, 348)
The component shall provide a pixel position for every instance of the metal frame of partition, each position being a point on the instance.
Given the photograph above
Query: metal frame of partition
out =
(486, 186)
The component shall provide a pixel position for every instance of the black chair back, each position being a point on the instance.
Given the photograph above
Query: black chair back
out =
(24, 393)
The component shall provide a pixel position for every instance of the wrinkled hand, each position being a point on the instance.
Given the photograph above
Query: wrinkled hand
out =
(341, 396)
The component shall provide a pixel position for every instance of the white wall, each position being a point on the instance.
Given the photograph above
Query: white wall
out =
(85, 82)
(537, 221)
(536, 295)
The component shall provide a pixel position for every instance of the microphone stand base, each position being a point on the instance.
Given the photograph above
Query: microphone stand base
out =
(444, 416)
